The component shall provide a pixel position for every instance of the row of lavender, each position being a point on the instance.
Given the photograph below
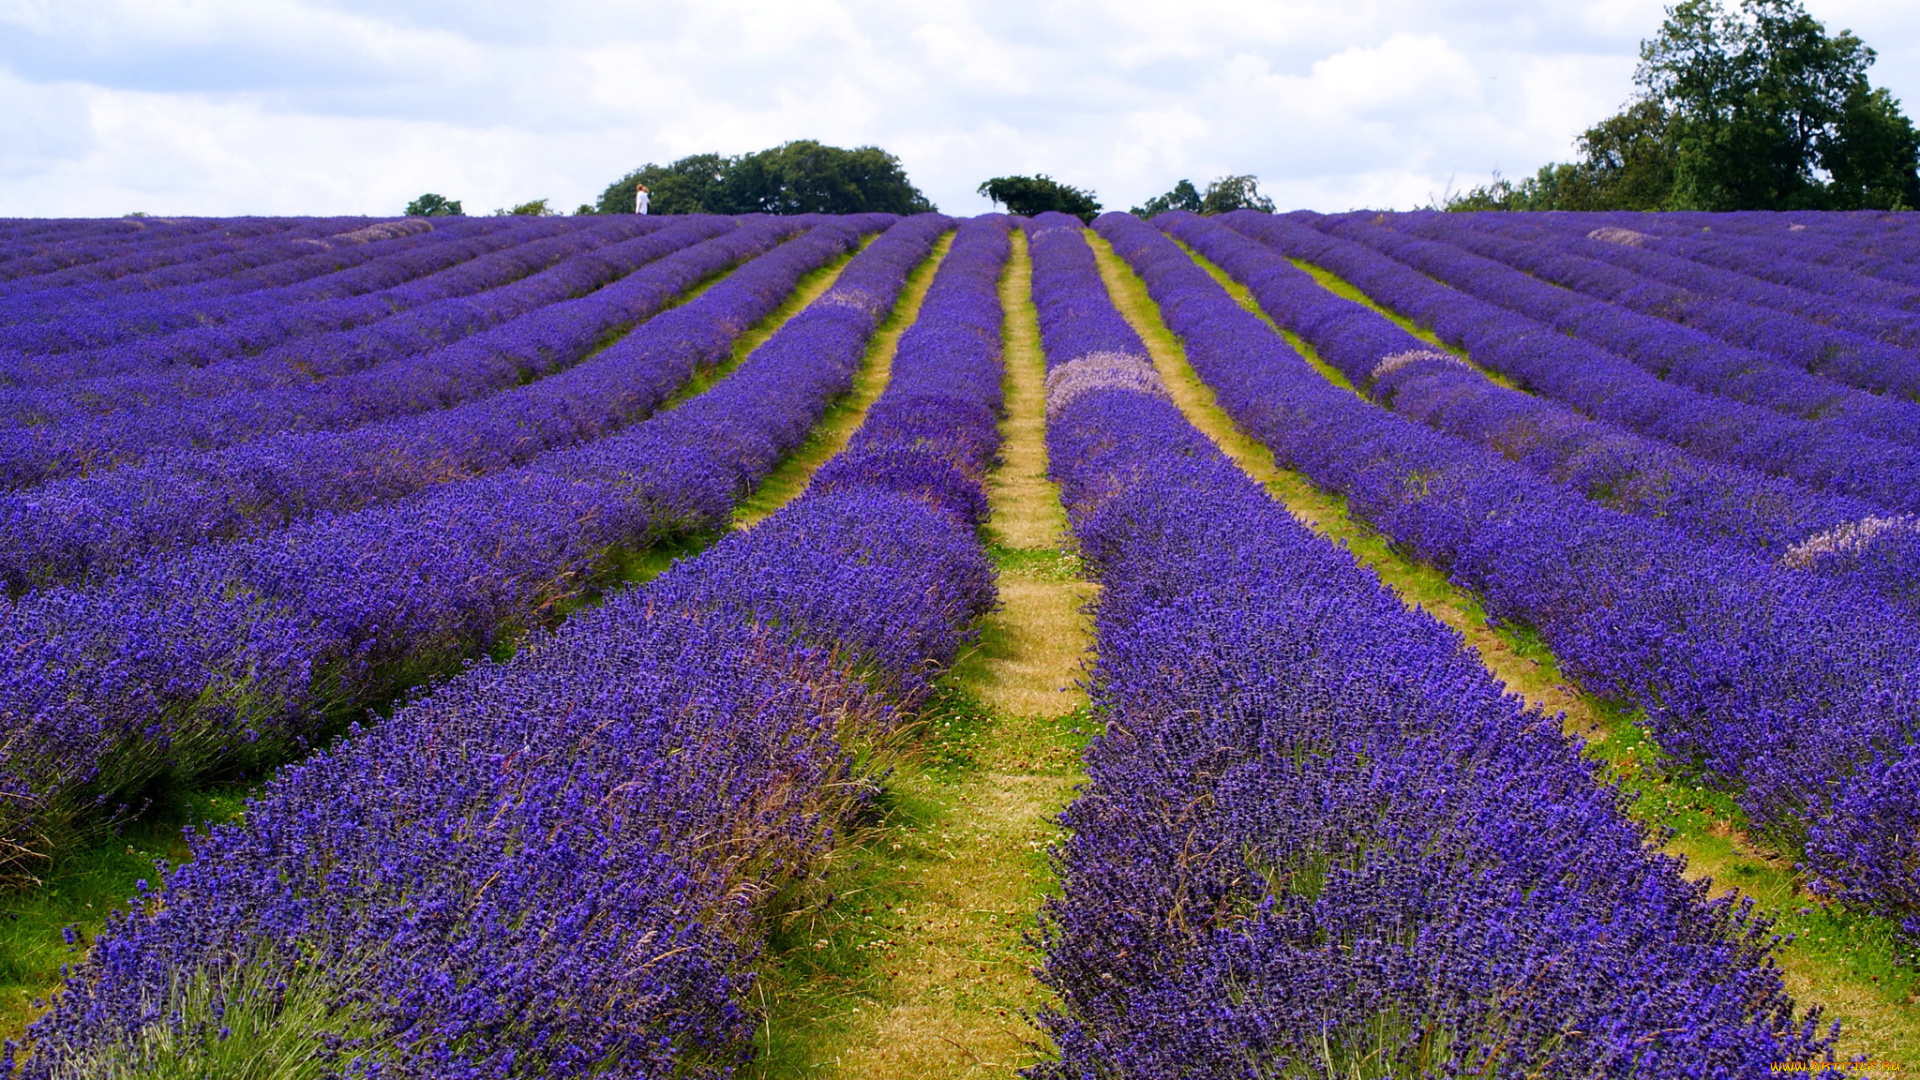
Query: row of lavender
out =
(1659, 378)
(74, 320)
(288, 265)
(1741, 302)
(553, 866)
(1772, 517)
(236, 653)
(1318, 838)
(1777, 683)
(219, 257)
(1676, 290)
(504, 336)
(41, 247)
(92, 526)
(178, 256)
(50, 247)
(1610, 388)
(1866, 258)
(153, 342)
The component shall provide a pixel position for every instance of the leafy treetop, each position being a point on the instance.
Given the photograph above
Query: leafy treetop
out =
(1754, 109)
(536, 208)
(1226, 193)
(799, 177)
(1031, 195)
(431, 205)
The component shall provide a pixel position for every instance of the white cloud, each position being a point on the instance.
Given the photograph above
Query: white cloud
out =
(339, 106)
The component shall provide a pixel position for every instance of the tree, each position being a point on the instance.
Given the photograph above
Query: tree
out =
(1031, 195)
(1224, 194)
(1754, 109)
(799, 177)
(536, 208)
(1627, 163)
(1184, 196)
(691, 185)
(1871, 155)
(806, 177)
(1753, 98)
(431, 205)
(1235, 193)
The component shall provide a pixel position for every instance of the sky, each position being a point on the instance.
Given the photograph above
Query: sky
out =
(227, 107)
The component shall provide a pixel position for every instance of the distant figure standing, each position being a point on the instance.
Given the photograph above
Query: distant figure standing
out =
(641, 197)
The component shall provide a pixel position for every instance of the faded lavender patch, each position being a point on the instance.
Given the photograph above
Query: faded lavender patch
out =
(1615, 235)
(1390, 364)
(1849, 540)
(1101, 371)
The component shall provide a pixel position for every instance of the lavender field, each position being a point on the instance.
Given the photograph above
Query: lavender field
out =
(1253, 645)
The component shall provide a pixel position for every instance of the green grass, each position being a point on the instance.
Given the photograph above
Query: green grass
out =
(833, 959)
(915, 961)
(1339, 286)
(82, 886)
(1038, 564)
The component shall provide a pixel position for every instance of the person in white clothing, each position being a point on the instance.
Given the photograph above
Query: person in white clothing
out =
(641, 197)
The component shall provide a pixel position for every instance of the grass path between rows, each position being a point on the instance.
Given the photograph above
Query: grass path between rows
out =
(82, 887)
(919, 964)
(1846, 963)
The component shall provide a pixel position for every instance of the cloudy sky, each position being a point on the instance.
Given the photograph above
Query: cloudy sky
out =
(356, 106)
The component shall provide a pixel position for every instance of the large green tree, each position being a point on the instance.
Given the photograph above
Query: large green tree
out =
(1757, 108)
(806, 177)
(1871, 153)
(431, 205)
(1031, 195)
(1224, 194)
(531, 208)
(798, 177)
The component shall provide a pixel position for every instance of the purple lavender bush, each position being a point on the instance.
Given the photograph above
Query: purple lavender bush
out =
(1830, 353)
(234, 655)
(1799, 527)
(1692, 631)
(185, 257)
(555, 866)
(1318, 838)
(217, 345)
(200, 322)
(1675, 353)
(91, 527)
(1600, 383)
(546, 323)
(1757, 273)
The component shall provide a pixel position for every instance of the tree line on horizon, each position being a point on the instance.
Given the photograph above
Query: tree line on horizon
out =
(798, 177)
(1030, 195)
(1752, 108)
(1756, 108)
(808, 177)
